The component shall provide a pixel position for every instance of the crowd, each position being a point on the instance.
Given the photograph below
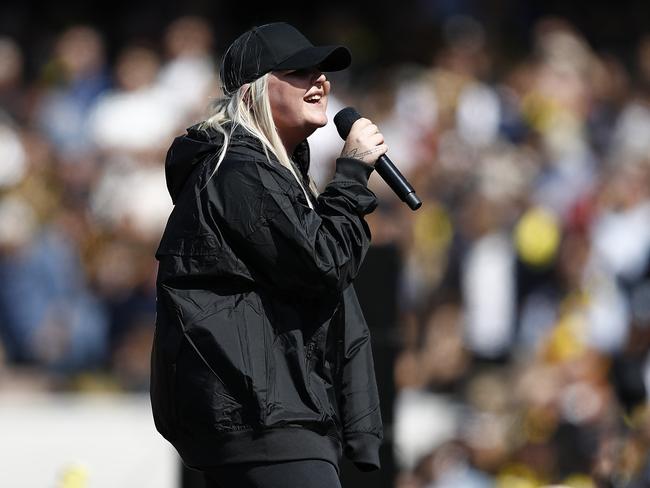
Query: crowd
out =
(524, 296)
(83, 200)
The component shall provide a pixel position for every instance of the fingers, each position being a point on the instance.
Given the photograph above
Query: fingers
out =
(382, 149)
(369, 130)
(364, 128)
(360, 123)
(364, 142)
(375, 139)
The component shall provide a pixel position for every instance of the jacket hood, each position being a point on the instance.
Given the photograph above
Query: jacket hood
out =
(191, 148)
(185, 152)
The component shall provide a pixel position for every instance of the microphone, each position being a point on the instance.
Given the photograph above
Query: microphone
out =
(384, 166)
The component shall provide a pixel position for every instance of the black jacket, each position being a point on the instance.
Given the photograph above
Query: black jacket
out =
(261, 351)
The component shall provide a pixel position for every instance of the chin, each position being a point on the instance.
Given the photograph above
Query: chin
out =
(320, 121)
(317, 117)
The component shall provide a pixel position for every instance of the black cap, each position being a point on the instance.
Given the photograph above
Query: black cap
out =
(276, 46)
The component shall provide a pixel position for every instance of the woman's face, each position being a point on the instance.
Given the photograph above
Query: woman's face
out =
(298, 102)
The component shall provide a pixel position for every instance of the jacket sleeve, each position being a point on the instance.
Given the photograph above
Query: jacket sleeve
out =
(357, 393)
(286, 244)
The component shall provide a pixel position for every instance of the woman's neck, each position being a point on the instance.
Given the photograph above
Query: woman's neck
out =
(291, 139)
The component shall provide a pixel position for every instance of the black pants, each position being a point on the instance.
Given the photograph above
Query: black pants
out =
(307, 473)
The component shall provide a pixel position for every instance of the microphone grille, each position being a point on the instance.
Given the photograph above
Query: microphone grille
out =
(344, 120)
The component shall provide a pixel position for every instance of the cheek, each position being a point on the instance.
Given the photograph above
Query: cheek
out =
(284, 104)
(276, 101)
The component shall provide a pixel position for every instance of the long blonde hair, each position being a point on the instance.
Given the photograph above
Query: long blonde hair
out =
(249, 107)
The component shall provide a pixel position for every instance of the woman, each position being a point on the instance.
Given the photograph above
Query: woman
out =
(262, 373)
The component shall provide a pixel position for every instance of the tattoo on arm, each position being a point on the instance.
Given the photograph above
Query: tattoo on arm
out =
(354, 153)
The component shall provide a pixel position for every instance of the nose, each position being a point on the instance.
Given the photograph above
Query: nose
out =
(320, 78)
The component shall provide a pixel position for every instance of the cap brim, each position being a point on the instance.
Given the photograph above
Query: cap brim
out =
(326, 58)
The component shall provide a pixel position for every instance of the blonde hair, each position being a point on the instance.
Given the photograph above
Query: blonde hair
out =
(249, 107)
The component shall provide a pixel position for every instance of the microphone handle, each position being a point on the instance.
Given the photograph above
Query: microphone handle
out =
(396, 181)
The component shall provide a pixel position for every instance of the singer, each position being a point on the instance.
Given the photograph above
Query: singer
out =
(262, 372)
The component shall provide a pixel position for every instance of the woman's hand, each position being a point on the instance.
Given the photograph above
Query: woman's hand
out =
(364, 142)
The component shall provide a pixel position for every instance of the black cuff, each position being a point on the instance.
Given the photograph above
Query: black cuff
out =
(363, 450)
(353, 169)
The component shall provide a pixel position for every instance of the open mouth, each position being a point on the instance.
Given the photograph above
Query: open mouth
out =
(313, 99)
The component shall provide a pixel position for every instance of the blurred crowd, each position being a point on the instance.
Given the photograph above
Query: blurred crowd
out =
(524, 296)
(83, 200)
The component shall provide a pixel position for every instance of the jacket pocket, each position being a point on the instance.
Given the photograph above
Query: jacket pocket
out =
(205, 404)
(222, 388)
(215, 341)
